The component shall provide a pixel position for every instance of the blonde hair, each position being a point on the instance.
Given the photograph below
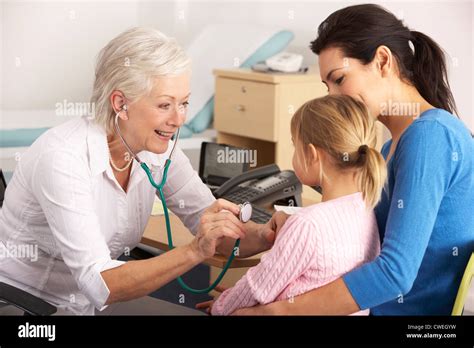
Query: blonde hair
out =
(129, 63)
(343, 128)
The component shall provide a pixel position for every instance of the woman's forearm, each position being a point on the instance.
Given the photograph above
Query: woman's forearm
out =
(136, 279)
(331, 299)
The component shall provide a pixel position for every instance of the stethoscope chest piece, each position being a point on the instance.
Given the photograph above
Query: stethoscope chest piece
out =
(245, 212)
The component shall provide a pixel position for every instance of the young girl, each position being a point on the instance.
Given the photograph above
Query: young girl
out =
(334, 140)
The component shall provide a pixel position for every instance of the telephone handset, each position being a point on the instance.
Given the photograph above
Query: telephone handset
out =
(268, 185)
(246, 176)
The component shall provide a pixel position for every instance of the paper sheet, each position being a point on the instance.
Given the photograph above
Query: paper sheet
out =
(286, 209)
(158, 208)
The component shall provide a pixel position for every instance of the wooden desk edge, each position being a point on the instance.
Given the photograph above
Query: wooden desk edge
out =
(216, 261)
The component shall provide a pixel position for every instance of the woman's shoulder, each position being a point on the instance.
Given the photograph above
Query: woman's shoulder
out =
(440, 122)
(437, 114)
(71, 136)
(435, 130)
(70, 130)
(58, 146)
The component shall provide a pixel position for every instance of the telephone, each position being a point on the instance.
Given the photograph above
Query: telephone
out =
(232, 180)
(262, 186)
(285, 61)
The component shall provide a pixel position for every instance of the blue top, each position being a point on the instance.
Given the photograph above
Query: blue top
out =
(425, 219)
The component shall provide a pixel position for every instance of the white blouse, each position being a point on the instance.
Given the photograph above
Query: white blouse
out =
(65, 218)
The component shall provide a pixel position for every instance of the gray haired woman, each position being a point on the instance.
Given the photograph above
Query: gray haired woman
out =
(78, 196)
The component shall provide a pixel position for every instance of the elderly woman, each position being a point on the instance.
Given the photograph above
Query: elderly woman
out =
(78, 195)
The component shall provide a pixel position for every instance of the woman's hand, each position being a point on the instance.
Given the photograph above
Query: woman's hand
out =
(217, 221)
(276, 223)
(207, 305)
(269, 231)
(274, 308)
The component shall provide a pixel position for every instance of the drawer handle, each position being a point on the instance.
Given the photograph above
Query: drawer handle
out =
(240, 108)
(243, 89)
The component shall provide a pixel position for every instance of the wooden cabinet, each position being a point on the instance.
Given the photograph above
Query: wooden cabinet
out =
(246, 108)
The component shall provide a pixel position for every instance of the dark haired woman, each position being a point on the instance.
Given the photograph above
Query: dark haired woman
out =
(425, 217)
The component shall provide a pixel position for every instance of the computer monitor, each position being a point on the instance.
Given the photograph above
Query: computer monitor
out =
(220, 162)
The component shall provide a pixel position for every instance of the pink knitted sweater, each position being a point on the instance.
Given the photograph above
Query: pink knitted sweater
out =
(316, 245)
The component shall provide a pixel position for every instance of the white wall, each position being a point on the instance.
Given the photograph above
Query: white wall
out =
(48, 48)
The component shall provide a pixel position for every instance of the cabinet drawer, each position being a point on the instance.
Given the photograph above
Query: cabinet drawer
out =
(245, 108)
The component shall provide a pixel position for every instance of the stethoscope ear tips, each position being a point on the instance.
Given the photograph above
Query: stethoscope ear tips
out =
(245, 212)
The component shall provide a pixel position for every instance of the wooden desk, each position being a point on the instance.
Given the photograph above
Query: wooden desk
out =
(155, 236)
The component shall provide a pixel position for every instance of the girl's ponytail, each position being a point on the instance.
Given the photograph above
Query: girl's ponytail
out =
(372, 175)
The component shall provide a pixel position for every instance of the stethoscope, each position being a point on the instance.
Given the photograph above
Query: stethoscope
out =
(244, 215)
